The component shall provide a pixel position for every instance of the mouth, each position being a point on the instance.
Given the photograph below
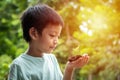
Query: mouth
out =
(52, 47)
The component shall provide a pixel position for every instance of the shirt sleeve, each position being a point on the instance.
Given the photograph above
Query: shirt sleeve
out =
(14, 72)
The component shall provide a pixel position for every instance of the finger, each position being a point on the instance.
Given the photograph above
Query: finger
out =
(74, 58)
(86, 59)
(77, 61)
(85, 54)
(81, 61)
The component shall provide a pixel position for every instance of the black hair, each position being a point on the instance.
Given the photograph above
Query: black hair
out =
(39, 16)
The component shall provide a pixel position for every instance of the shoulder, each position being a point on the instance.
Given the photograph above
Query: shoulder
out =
(17, 61)
(15, 69)
(15, 65)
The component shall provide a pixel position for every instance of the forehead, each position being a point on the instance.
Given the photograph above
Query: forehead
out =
(53, 28)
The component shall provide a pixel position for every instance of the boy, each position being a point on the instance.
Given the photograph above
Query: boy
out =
(41, 28)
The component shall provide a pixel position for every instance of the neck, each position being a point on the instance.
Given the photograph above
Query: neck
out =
(34, 52)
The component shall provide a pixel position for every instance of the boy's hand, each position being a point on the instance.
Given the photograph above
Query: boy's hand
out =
(73, 58)
(77, 61)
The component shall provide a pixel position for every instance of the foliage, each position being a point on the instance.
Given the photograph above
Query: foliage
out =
(93, 29)
(5, 61)
(91, 26)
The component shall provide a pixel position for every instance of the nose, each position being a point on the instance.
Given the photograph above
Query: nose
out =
(55, 41)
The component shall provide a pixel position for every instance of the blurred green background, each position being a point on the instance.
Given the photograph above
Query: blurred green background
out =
(91, 26)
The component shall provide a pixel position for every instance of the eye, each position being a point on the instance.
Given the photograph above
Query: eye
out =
(52, 35)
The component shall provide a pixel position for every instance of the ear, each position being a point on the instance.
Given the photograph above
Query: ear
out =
(33, 33)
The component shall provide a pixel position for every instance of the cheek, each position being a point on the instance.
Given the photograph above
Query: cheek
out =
(46, 41)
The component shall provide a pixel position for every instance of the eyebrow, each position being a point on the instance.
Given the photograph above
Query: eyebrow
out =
(54, 32)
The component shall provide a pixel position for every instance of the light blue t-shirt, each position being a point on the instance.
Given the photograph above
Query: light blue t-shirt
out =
(26, 67)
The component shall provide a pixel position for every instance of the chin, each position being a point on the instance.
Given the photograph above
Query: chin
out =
(49, 51)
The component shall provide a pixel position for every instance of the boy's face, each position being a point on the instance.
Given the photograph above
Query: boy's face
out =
(49, 38)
